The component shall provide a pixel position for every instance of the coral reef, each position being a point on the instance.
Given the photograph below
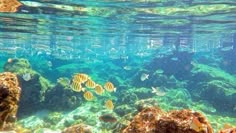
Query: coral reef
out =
(53, 117)
(9, 98)
(145, 121)
(155, 120)
(146, 103)
(79, 128)
(34, 85)
(228, 130)
(121, 110)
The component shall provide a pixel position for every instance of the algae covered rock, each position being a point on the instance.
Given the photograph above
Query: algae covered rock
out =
(62, 98)
(214, 85)
(53, 118)
(33, 85)
(18, 66)
(176, 121)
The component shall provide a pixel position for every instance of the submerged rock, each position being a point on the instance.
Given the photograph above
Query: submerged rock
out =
(214, 85)
(33, 85)
(9, 98)
(79, 128)
(177, 121)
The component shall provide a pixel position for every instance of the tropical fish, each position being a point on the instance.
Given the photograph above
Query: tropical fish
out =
(144, 76)
(63, 81)
(90, 83)
(227, 48)
(127, 68)
(158, 91)
(76, 86)
(99, 90)
(107, 118)
(88, 96)
(10, 60)
(81, 77)
(159, 71)
(109, 87)
(196, 125)
(49, 63)
(174, 59)
(109, 105)
(26, 76)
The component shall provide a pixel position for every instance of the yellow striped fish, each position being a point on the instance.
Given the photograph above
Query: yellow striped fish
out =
(81, 77)
(76, 87)
(90, 83)
(76, 78)
(99, 90)
(88, 96)
(109, 87)
(109, 105)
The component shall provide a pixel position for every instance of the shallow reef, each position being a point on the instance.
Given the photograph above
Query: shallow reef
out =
(152, 120)
(46, 107)
(9, 98)
(214, 85)
(33, 83)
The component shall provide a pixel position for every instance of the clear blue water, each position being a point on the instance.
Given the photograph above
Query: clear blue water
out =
(119, 40)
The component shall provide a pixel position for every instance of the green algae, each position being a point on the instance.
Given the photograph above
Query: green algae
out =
(221, 87)
(214, 73)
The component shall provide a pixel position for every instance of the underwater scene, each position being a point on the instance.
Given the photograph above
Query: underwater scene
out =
(117, 66)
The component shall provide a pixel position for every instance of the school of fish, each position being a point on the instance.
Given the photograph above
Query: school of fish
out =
(82, 82)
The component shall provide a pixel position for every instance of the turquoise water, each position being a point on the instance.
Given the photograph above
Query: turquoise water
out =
(176, 55)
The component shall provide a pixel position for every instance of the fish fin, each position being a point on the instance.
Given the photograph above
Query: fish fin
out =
(154, 90)
(83, 89)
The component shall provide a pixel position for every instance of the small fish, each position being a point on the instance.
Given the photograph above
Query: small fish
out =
(76, 86)
(127, 68)
(49, 64)
(174, 59)
(63, 81)
(196, 125)
(81, 77)
(99, 90)
(109, 105)
(234, 109)
(69, 38)
(10, 60)
(158, 91)
(109, 87)
(227, 48)
(88, 96)
(90, 84)
(144, 76)
(107, 118)
(26, 76)
(159, 71)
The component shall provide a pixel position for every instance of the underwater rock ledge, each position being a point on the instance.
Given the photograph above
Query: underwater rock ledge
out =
(153, 119)
(9, 98)
(33, 84)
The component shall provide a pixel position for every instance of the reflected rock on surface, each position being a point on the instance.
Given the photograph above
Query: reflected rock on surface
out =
(9, 5)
